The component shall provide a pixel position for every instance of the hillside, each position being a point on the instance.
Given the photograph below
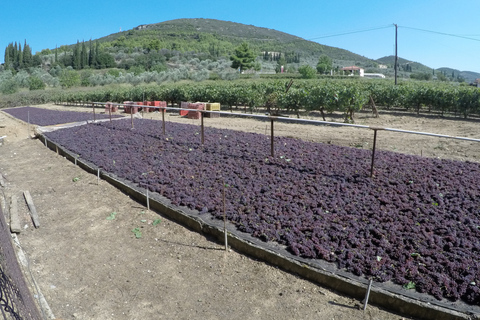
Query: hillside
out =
(405, 65)
(416, 67)
(219, 38)
(193, 49)
(469, 76)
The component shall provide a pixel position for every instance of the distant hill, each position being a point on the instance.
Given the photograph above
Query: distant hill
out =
(414, 67)
(404, 64)
(469, 76)
(190, 42)
(222, 37)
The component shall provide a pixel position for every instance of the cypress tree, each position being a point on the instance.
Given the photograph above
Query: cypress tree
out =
(83, 56)
(19, 61)
(27, 55)
(95, 54)
(90, 53)
(77, 59)
(9, 55)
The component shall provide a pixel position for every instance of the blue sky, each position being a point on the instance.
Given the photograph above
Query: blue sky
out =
(45, 24)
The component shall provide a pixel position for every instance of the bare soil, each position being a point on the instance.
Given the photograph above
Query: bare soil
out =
(90, 267)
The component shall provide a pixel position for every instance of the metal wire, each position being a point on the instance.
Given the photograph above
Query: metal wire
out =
(311, 121)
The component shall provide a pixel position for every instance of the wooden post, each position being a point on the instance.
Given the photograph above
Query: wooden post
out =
(131, 115)
(31, 206)
(15, 223)
(225, 218)
(28, 128)
(272, 150)
(163, 119)
(202, 127)
(93, 106)
(374, 147)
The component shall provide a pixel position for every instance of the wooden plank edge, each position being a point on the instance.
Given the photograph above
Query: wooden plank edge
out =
(15, 225)
(31, 206)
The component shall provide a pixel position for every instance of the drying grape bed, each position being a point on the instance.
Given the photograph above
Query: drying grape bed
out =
(416, 223)
(43, 117)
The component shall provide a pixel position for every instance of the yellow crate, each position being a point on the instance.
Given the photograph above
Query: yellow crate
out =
(215, 106)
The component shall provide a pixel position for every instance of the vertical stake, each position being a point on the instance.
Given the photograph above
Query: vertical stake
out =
(203, 129)
(272, 152)
(93, 106)
(28, 121)
(367, 295)
(374, 147)
(148, 201)
(163, 119)
(225, 218)
(98, 175)
(110, 112)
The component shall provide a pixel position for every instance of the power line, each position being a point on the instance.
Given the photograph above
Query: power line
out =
(440, 33)
(350, 32)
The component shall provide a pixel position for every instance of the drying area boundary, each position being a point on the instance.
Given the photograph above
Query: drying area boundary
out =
(397, 300)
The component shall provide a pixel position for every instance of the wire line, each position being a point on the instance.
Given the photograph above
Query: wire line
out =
(350, 32)
(440, 33)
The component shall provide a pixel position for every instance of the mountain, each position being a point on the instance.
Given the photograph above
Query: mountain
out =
(222, 37)
(416, 67)
(189, 42)
(469, 76)
(405, 65)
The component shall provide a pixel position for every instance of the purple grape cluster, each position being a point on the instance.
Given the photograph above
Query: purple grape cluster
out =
(417, 220)
(45, 117)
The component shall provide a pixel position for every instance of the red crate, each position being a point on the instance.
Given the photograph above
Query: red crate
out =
(157, 104)
(109, 107)
(195, 114)
(184, 105)
(130, 107)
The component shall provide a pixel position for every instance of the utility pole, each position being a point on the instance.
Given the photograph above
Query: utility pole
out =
(396, 52)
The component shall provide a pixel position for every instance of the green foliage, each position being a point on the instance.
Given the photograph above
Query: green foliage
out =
(137, 232)
(324, 64)
(410, 285)
(441, 77)
(35, 83)
(243, 58)
(307, 72)
(69, 78)
(112, 216)
(85, 77)
(114, 72)
(421, 76)
(8, 85)
(136, 70)
(343, 95)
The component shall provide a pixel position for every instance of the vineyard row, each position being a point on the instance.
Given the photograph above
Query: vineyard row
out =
(324, 96)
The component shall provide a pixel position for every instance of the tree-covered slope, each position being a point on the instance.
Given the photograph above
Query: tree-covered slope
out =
(219, 38)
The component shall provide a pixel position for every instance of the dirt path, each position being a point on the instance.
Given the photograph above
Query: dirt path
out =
(90, 267)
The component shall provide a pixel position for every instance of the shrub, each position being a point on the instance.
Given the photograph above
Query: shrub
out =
(307, 72)
(8, 86)
(35, 83)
